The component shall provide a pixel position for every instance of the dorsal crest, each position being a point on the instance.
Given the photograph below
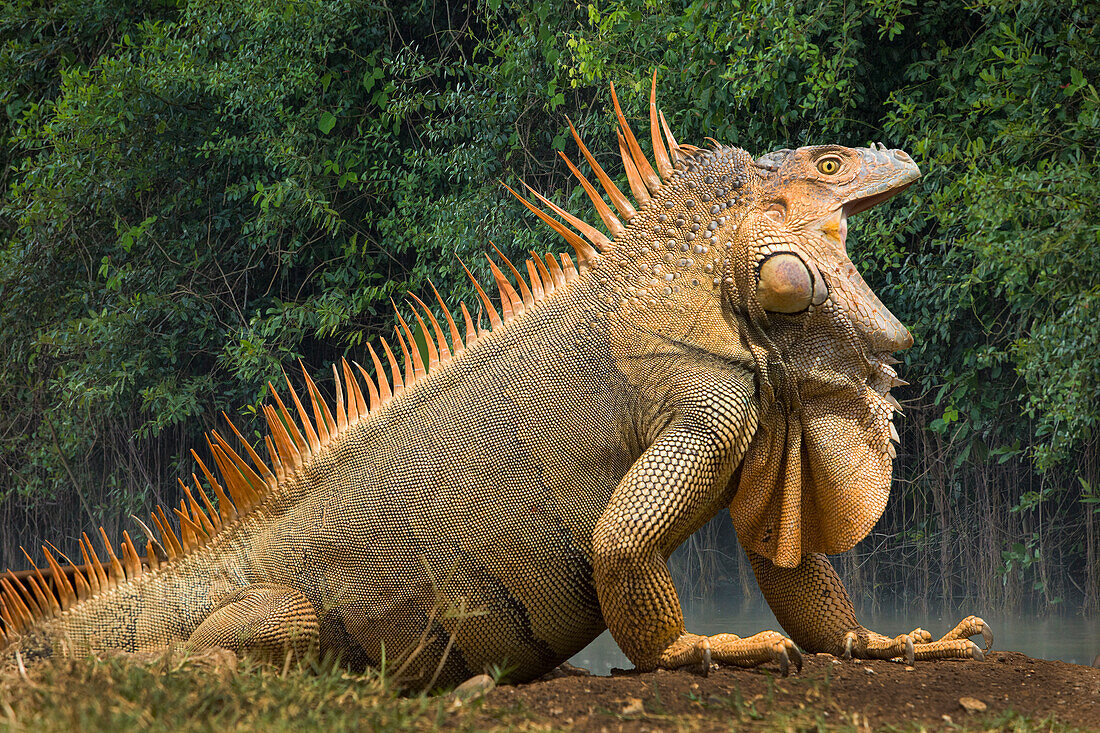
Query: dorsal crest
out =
(645, 183)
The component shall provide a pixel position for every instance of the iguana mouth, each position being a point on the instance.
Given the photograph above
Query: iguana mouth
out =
(862, 204)
(837, 223)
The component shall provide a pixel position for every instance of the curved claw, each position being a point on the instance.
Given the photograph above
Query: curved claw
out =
(910, 651)
(976, 653)
(987, 636)
(797, 659)
(784, 661)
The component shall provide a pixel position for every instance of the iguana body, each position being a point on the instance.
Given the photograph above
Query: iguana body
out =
(521, 496)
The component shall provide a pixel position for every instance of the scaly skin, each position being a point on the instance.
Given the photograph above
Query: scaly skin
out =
(721, 352)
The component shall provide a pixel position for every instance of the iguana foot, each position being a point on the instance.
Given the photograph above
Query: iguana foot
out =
(918, 644)
(265, 620)
(767, 646)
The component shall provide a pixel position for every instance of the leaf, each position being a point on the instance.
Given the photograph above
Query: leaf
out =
(327, 122)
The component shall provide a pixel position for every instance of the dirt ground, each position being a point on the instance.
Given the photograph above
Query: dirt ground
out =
(1008, 692)
(864, 695)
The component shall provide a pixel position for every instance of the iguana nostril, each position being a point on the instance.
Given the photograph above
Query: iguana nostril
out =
(902, 156)
(786, 285)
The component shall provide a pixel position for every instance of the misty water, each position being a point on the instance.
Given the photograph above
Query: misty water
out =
(1068, 638)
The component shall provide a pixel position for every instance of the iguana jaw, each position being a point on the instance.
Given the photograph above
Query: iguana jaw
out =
(835, 225)
(888, 173)
(860, 205)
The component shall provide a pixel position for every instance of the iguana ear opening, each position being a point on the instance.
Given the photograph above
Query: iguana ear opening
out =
(789, 283)
(813, 481)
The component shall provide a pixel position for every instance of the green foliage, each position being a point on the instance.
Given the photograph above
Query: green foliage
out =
(199, 193)
(1006, 124)
(216, 191)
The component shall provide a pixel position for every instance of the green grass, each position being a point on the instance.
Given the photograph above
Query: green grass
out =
(119, 695)
(216, 693)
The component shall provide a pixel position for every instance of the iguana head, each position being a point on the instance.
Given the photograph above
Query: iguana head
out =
(817, 473)
(805, 199)
(745, 259)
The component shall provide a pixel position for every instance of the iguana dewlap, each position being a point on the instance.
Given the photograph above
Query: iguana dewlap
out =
(506, 497)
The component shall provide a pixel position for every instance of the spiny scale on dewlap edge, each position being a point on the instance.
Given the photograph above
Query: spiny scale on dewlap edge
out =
(503, 499)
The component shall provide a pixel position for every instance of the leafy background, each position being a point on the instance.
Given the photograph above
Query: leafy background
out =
(198, 193)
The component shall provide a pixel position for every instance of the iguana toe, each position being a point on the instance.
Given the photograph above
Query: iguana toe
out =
(767, 646)
(918, 644)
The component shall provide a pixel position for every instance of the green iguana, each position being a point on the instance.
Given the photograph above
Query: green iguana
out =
(505, 502)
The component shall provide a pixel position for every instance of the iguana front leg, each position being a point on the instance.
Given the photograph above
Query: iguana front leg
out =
(670, 491)
(265, 620)
(812, 605)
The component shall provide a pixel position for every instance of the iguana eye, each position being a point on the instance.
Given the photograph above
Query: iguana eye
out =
(829, 166)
